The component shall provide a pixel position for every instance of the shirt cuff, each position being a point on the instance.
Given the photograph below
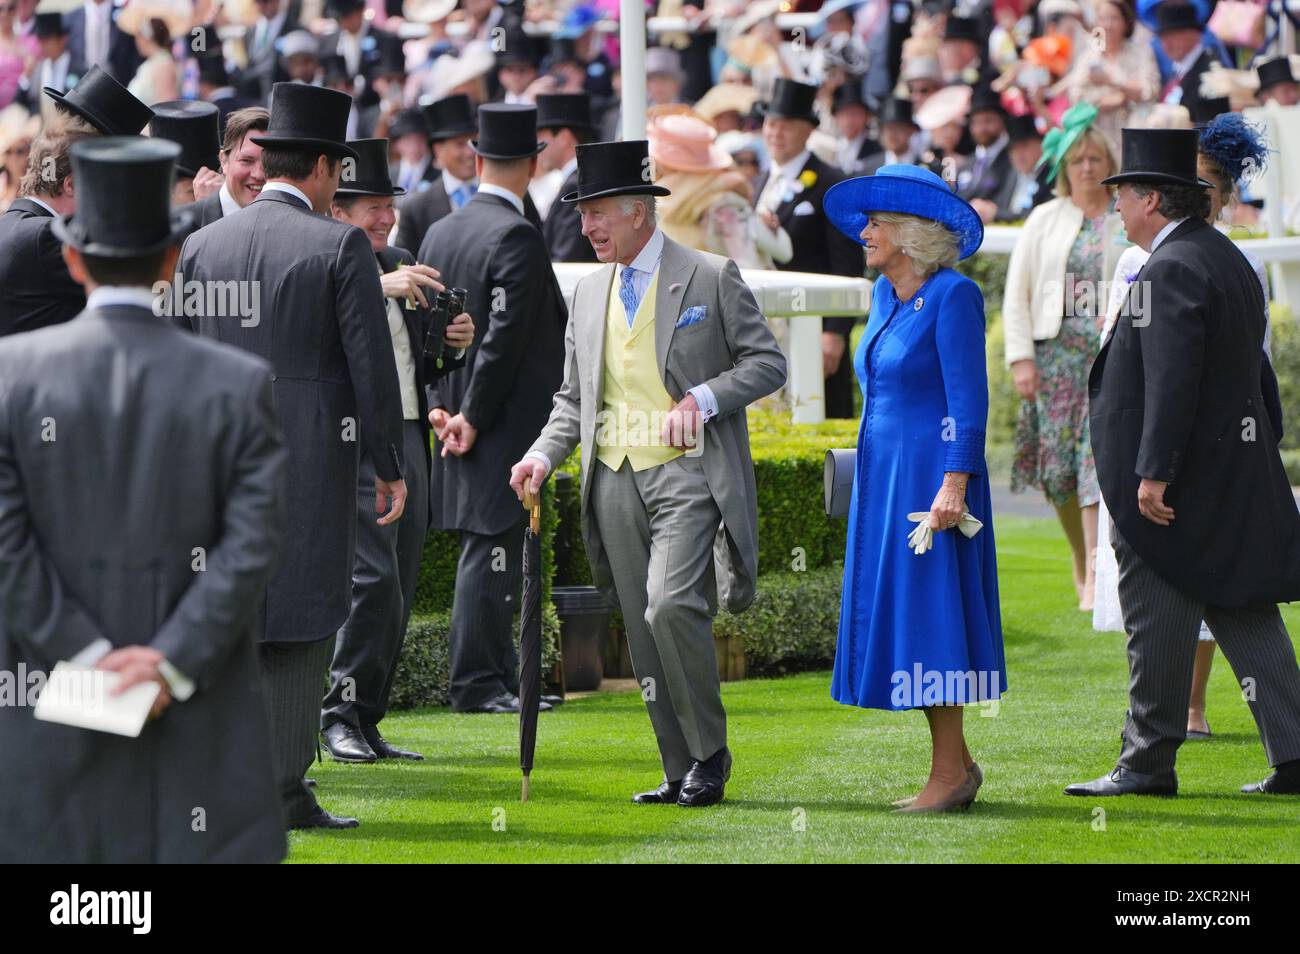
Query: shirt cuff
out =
(180, 685)
(538, 455)
(705, 399)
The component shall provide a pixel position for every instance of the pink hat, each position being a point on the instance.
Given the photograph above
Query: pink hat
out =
(685, 144)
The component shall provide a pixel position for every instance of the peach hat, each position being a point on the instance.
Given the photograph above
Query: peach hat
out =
(685, 144)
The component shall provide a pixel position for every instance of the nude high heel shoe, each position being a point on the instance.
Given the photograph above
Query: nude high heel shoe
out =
(974, 771)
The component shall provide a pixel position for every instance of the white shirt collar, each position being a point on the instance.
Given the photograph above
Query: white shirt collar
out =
(289, 188)
(568, 168)
(790, 170)
(493, 189)
(228, 204)
(1164, 232)
(451, 183)
(106, 295)
(647, 260)
(101, 10)
(43, 204)
(993, 148)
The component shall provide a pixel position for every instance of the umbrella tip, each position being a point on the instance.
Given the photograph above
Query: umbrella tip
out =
(523, 795)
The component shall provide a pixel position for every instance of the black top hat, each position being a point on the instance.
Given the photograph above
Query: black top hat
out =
(340, 8)
(517, 47)
(124, 196)
(308, 118)
(392, 58)
(848, 94)
(1159, 156)
(335, 70)
(963, 28)
(50, 24)
(408, 122)
(193, 126)
(614, 168)
(104, 103)
(1274, 71)
(507, 131)
(450, 117)
(896, 110)
(1021, 128)
(984, 99)
(369, 175)
(1176, 16)
(212, 69)
(565, 111)
(1203, 110)
(563, 50)
(791, 100)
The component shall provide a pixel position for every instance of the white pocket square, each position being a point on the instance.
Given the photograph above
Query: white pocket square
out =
(804, 208)
(922, 537)
(691, 315)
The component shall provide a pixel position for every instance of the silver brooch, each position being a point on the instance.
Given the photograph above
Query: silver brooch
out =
(920, 303)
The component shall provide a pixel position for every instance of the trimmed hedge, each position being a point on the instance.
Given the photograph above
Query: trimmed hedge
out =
(793, 623)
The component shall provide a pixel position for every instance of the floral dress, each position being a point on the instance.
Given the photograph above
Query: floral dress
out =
(1053, 445)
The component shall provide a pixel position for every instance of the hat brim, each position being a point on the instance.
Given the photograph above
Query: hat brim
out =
(851, 202)
(765, 109)
(580, 196)
(371, 188)
(454, 132)
(307, 144)
(541, 144)
(1155, 178)
(181, 225)
(561, 124)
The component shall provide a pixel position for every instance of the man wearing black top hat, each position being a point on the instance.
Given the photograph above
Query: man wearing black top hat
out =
(963, 53)
(1181, 37)
(896, 131)
(1277, 84)
(104, 526)
(487, 413)
(37, 289)
(1204, 525)
(54, 67)
(516, 67)
(1026, 187)
(317, 315)
(564, 122)
(414, 170)
(982, 175)
(241, 177)
(96, 21)
(214, 80)
(451, 127)
(192, 126)
(388, 557)
(852, 115)
(792, 190)
(361, 46)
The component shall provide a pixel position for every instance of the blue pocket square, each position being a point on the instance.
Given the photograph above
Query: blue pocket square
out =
(691, 315)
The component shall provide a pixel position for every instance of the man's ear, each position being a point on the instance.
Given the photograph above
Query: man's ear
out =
(67, 188)
(478, 166)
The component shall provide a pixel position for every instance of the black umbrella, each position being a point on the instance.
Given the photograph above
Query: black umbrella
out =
(530, 640)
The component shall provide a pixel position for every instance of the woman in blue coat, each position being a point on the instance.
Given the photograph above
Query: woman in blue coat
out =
(920, 627)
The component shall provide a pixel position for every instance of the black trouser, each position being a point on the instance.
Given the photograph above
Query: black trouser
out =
(839, 386)
(293, 678)
(384, 576)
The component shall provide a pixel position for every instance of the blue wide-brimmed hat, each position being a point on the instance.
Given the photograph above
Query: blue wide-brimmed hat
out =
(907, 189)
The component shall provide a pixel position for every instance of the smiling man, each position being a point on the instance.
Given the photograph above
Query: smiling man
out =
(241, 178)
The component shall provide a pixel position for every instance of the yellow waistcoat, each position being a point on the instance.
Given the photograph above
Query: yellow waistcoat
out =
(635, 399)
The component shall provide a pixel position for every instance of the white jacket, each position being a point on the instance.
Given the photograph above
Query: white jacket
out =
(1034, 302)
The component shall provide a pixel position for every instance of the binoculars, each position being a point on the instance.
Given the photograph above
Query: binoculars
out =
(446, 306)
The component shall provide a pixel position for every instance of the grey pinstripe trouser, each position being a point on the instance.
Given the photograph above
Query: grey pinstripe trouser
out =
(293, 676)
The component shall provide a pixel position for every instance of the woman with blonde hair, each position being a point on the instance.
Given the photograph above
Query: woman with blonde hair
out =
(17, 130)
(920, 624)
(1051, 313)
(710, 206)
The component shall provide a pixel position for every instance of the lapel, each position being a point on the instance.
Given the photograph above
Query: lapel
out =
(390, 258)
(675, 271)
(760, 185)
(596, 305)
(785, 211)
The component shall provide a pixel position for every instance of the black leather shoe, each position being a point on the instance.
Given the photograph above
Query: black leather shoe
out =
(665, 794)
(705, 782)
(345, 743)
(384, 749)
(1122, 781)
(507, 702)
(553, 700)
(323, 819)
(1285, 780)
(309, 782)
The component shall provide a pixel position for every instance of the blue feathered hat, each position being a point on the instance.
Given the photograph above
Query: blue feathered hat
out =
(907, 189)
(1237, 146)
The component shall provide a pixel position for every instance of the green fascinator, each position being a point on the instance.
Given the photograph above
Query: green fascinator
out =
(1059, 139)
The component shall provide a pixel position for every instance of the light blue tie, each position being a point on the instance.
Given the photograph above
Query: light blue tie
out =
(627, 293)
(462, 195)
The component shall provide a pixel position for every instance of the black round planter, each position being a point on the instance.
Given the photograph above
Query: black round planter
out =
(584, 628)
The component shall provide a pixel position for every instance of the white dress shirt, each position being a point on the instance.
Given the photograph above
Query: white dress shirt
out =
(54, 73)
(405, 360)
(783, 182)
(492, 189)
(99, 20)
(1164, 232)
(228, 204)
(293, 190)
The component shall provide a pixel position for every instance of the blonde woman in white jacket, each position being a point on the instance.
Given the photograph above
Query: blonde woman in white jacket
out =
(1055, 301)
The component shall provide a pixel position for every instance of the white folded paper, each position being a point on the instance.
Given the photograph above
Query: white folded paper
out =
(922, 537)
(82, 696)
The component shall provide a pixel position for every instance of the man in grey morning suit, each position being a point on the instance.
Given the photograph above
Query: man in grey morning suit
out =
(318, 317)
(656, 519)
(141, 513)
(1203, 520)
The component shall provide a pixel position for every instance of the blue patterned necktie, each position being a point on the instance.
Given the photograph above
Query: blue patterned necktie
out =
(462, 195)
(627, 293)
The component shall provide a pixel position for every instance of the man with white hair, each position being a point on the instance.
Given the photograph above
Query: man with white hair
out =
(661, 326)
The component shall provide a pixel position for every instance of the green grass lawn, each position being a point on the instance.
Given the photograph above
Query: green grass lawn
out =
(813, 780)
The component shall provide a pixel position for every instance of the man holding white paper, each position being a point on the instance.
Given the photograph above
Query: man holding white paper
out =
(141, 512)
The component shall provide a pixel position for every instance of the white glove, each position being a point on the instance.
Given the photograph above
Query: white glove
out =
(922, 537)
